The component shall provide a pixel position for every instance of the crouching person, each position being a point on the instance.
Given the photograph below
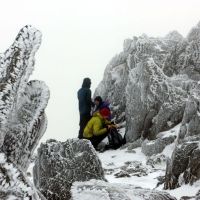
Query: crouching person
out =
(98, 127)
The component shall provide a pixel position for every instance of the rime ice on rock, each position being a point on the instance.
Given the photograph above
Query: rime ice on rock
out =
(149, 81)
(100, 190)
(186, 155)
(22, 114)
(59, 164)
(14, 184)
(22, 103)
(27, 124)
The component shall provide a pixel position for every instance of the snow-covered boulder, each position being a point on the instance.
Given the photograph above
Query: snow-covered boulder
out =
(59, 164)
(100, 190)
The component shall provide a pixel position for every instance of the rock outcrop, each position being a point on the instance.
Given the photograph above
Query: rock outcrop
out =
(185, 158)
(22, 115)
(59, 164)
(100, 190)
(149, 82)
(14, 184)
(154, 147)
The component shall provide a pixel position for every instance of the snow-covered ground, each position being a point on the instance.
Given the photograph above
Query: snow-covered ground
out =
(130, 167)
(115, 161)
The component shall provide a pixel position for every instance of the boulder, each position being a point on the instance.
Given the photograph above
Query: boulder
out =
(59, 164)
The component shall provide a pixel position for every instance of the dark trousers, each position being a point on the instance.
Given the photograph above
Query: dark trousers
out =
(95, 140)
(83, 122)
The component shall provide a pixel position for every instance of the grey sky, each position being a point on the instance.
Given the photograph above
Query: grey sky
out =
(79, 39)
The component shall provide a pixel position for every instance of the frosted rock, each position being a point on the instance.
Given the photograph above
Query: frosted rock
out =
(182, 159)
(137, 86)
(22, 115)
(153, 147)
(22, 103)
(185, 158)
(174, 36)
(127, 45)
(59, 164)
(14, 184)
(191, 119)
(100, 190)
(27, 124)
(151, 102)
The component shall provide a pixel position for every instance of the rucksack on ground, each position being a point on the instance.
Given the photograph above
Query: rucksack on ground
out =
(115, 139)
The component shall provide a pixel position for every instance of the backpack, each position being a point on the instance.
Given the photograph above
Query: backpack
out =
(115, 139)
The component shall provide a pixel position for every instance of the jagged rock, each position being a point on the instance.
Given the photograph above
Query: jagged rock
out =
(22, 103)
(185, 158)
(100, 190)
(122, 174)
(152, 147)
(156, 159)
(174, 36)
(59, 164)
(27, 125)
(192, 173)
(138, 89)
(153, 104)
(134, 168)
(14, 185)
(191, 119)
(191, 59)
(179, 163)
(149, 81)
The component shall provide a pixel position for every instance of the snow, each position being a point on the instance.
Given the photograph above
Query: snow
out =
(185, 190)
(115, 159)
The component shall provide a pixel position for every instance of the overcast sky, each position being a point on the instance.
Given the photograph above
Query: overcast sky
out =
(79, 39)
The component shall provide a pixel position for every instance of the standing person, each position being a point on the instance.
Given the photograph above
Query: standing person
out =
(85, 103)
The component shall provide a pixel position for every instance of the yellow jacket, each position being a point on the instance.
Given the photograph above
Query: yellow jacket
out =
(96, 126)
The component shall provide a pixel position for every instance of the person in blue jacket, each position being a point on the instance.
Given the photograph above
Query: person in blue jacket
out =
(85, 104)
(100, 104)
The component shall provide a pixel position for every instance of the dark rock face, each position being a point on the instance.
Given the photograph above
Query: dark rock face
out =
(185, 157)
(22, 116)
(100, 190)
(59, 164)
(179, 163)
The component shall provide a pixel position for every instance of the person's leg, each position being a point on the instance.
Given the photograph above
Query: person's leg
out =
(83, 122)
(95, 140)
